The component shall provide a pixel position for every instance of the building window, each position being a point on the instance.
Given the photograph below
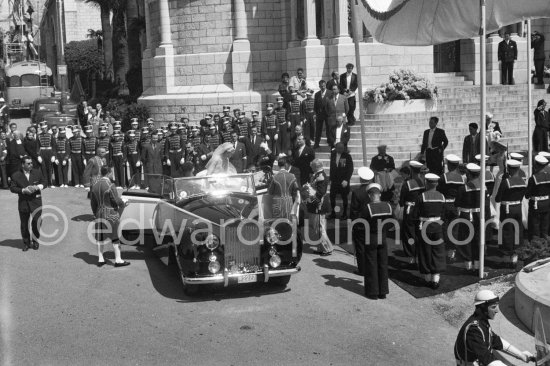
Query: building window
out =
(319, 18)
(300, 26)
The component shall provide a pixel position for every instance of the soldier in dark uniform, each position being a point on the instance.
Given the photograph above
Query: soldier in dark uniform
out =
(133, 154)
(376, 249)
(308, 115)
(519, 157)
(134, 127)
(476, 341)
(194, 158)
(359, 199)
(225, 115)
(104, 141)
(428, 210)
(32, 148)
(151, 127)
(283, 140)
(468, 206)
(76, 148)
(214, 137)
(226, 130)
(538, 194)
(242, 127)
(510, 193)
(383, 163)
(182, 133)
(235, 117)
(3, 156)
(448, 185)
(118, 159)
(204, 152)
(410, 190)
(196, 138)
(89, 146)
(270, 128)
(161, 139)
(62, 155)
(173, 151)
(47, 150)
(145, 136)
(295, 111)
(256, 121)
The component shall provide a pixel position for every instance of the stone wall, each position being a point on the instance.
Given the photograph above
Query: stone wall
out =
(79, 17)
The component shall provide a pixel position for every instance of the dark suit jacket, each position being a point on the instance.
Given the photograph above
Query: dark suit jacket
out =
(32, 148)
(538, 46)
(253, 149)
(26, 202)
(359, 199)
(439, 140)
(341, 107)
(344, 135)
(542, 119)
(507, 52)
(302, 163)
(15, 151)
(340, 170)
(152, 158)
(343, 82)
(238, 159)
(320, 103)
(331, 83)
(469, 151)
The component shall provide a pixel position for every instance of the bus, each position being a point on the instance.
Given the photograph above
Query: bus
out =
(26, 81)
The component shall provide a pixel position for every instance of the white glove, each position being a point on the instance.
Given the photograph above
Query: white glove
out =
(203, 157)
(182, 161)
(64, 162)
(267, 137)
(168, 162)
(138, 164)
(84, 162)
(344, 183)
(276, 137)
(526, 356)
(289, 124)
(40, 159)
(87, 189)
(53, 160)
(127, 163)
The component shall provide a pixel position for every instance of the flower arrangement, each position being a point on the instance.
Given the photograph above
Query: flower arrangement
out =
(403, 85)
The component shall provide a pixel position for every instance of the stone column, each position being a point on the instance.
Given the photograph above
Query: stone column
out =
(310, 37)
(241, 58)
(165, 31)
(293, 19)
(328, 16)
(341, 33)
(148, 37)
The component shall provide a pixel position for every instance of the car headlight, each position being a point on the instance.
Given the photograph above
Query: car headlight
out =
(214, 267)
(272, 236)
(212, 241)
(272, 251)
(275, 261)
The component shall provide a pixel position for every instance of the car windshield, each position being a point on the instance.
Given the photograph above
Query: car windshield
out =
(218, 185)
(52, 107)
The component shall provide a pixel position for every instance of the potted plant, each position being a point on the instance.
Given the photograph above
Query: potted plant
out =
(405, 92)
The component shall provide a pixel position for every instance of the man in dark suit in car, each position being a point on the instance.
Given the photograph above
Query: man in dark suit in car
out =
(238, 159)
(28, 184)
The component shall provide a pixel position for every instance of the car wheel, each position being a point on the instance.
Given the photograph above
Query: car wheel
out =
(280, 281)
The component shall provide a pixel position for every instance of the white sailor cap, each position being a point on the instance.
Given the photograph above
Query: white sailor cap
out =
(541, 160)
(452, 158)
(513, 163)
(473, 167)
(478, 157)
(432, 177)
(365, 173)
(372, 186)
(415, 164)
(545, 154)
(517, 156)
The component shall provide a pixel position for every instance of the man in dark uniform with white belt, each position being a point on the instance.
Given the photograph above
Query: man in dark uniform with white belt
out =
(538, 194)
(359, 198)
(410, 190)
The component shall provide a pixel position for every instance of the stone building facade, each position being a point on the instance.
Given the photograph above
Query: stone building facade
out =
(203, 54)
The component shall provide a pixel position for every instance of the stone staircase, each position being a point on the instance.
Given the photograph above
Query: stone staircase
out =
(458, 105)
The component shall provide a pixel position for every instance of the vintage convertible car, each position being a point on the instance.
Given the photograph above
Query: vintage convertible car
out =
(217, 229)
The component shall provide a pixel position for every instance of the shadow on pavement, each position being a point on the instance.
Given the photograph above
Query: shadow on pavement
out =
(86, 257)
(338, 265)
(507, 308)
(352, 285)
(14, 243)
(83, 218)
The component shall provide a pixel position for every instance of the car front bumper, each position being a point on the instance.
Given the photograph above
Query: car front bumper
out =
(228, 278)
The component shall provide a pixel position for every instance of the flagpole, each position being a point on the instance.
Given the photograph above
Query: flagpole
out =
(357, 30)
(483, 81)
(529, 102)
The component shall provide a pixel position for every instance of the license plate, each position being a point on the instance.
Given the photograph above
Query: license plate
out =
(16, 101)
(247, 278)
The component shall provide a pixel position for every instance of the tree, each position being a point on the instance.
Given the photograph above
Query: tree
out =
(83, 57)
(120, 45)
(98, 36)
(105, 7)
(135, 25)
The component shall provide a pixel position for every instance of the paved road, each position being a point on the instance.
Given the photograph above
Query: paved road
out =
(58, 308)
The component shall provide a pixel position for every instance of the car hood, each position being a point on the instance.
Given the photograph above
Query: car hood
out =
(220, 209)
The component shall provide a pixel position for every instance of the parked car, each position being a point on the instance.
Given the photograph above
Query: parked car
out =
(217, 229)
(53, 111)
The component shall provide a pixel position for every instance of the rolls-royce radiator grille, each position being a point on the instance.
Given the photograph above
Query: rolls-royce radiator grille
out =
(239, 256)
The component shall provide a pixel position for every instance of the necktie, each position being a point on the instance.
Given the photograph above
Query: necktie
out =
(336, 100)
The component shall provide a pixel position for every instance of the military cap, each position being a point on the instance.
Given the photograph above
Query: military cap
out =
(236, 110)
(144, 129)
(212, 127)
(512, 163)
(432, 177)
(173, 126)
(452, 158)
(415, 164)
(243, 114)
(539, 159)
(88, 128)
(280, 99)
(150, 120)
(365, 173)
(545, 154)
(478, 157)
(309, 92)
(208, 116)
(269, 105)
(517, 156)
(62, 130)
(226, 108)
(473, 167)
(374, 186)
(135, 121)
(255, 113)
(103, 129)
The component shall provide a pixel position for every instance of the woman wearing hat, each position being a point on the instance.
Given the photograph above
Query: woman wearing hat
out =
(376, 250)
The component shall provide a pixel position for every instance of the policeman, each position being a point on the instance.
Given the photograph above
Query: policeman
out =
(89, 146)
(242, 127)
(145, 135)
(468, 207)
(62, 158)
(410, 190)
(510, 193)
(226, 130)
(429, 210)
(133, 160)
(448, 185)
(308, 115)
(256, 121)
(295, 112)
(104, 141)
(270, 128)
(283, 138)
(173, 151)
(225, 115)
(47, 150)
(77, 147)
(134, 127)
(376, 249)
(476, 341)
(359, 199)
(538, 194)
(195, 137)
(214, 136)
(118, 158)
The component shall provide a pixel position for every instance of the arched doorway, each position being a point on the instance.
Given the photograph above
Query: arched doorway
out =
(447, 57)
